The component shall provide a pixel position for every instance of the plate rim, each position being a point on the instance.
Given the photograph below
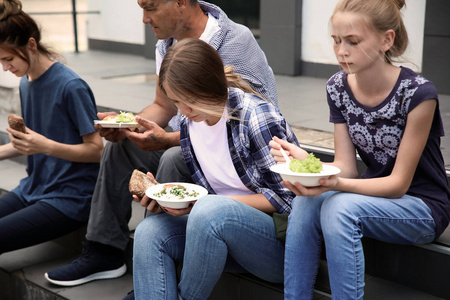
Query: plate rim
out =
(335, 171)
(113, 124)
(202, 192)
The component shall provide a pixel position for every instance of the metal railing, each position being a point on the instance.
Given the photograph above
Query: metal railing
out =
(74, 14)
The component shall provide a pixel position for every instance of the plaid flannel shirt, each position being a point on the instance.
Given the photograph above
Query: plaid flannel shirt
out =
(248, 139)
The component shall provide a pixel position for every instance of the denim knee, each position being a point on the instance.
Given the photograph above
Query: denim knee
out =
(210, 213)
(159, 232)
(307, 210)
(146, 230)
(338, 209)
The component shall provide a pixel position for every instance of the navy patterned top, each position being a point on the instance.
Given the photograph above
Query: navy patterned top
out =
(377, 131)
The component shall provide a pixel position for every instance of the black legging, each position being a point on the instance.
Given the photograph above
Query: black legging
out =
(23, 226)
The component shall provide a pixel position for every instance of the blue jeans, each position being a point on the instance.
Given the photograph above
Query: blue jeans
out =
(217, 235)
(341, 220)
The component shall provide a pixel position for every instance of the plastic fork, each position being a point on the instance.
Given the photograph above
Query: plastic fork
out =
(286, 157)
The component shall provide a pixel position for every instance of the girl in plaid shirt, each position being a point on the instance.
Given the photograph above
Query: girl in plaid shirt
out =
(225, 132)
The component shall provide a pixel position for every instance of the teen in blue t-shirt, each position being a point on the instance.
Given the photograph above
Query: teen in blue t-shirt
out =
(62, 147)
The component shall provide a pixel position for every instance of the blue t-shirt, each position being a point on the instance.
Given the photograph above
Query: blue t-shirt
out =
(60, 106)
(377, 131)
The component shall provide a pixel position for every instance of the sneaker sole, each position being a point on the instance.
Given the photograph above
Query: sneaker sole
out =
(96, 276)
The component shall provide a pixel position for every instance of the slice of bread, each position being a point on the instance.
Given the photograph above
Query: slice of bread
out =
(140, 182)
(16, 123)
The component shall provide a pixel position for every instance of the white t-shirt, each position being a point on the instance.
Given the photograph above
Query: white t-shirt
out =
(212, 26)
(210, 144)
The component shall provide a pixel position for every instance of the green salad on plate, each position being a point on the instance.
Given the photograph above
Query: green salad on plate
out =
(125, 117)
(310, 164)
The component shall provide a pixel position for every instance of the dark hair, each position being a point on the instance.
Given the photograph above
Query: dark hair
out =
(16, 29)
(383, 15)
(194, 69)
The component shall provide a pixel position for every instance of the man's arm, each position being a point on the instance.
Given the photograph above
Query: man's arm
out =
(152, 120)
(160, 111)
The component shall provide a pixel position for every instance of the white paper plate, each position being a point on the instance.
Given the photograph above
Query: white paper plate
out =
(113, 124)
(176, 203)
(305, 179)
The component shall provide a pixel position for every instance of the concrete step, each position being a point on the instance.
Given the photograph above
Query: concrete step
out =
(393, 271)
(22, 271)
(234, 286)
(29, 283)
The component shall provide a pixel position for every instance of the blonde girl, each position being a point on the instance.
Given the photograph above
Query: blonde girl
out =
(225, 133)
(390, 116)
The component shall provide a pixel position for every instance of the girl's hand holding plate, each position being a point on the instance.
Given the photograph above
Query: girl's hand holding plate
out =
(179, 212)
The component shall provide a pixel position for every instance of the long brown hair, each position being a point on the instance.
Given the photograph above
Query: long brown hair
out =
(16, 29)
(194, 70)
(383, 15)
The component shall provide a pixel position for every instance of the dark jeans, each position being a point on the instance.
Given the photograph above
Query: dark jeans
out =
(23, 226)
(111, 202)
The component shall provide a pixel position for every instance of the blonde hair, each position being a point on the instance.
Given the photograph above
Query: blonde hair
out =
(382, 15)
(195, 71)
(16, 29)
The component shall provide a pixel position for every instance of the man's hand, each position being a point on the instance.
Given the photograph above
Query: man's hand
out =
(153, 138)
(110, 134)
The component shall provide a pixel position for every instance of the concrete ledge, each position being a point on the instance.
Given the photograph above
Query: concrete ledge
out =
(14, 263)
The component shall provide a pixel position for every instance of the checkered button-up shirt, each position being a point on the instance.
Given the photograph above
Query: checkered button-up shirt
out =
(238, 47)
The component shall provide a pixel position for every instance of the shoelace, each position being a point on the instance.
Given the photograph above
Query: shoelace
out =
(85, 255)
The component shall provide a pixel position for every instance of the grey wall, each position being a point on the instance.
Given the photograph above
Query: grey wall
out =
(150, 42)
(118, 47)
(436, 52)
(280, 38)
(281, 35)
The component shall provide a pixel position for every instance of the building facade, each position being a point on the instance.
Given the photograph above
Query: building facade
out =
(294, 34)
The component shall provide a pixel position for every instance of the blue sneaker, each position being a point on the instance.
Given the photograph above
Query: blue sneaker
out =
(96, 262)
